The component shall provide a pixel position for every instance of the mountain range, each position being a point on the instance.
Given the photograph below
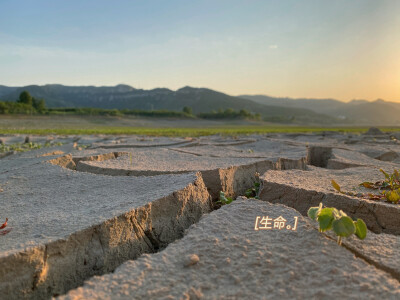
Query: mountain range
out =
(287, 110)
(378, 112)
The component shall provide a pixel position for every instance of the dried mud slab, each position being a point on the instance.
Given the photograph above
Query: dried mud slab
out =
(235, 180)
(342, 159)
(330, 157)
(70, 162)
(223, 257)
(327, 138)
(87, 224)
(223, 142)
(231, 175)
(144, 142)
(380, 250)
(68, 226)
(151, 162)
(57, 152)
(388, 156)
(304, 189)
(5, 154)
(257, 149)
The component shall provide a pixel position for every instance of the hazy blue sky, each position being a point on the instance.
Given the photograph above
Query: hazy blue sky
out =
(338, 48)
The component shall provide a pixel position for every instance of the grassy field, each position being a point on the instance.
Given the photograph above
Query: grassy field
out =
(43, 125)
(175, 131)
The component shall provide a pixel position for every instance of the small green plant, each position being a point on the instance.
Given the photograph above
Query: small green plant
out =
(83, 146)
(23, 147)
(76, 145)
(223, 199)
(19, 147)
(253, 191)
(392, 181)
(389, 188)
(337, 220)
(392, 186)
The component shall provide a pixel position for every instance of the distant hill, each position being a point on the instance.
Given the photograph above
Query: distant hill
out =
(4, 90)
(317, 105)
(201, 100)
(376, 112)
(361, 112)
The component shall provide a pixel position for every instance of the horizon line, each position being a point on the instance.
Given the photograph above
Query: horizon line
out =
(189, 86)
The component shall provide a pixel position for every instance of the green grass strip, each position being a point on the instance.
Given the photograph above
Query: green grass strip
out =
(186, 132)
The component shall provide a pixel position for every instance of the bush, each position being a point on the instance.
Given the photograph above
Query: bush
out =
(187, 110)
(25, 98)
(229, 113)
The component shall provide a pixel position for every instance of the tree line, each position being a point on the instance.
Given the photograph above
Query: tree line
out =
(229, 113)
(26, 104)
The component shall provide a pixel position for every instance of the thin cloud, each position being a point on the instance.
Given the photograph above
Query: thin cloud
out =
(273, 46)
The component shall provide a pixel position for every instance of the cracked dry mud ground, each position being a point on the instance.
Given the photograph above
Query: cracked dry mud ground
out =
(98, 204)
(223, 257)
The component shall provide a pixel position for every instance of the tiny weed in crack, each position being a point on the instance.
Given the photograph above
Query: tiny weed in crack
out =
(337, 220)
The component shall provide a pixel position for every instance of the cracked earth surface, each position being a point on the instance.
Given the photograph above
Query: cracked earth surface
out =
(144, 208)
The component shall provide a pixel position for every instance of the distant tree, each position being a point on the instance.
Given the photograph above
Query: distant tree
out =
(25, 98)
(3, 108)
(188, 110)
(39, 105)
(244, 113)
(229, 111)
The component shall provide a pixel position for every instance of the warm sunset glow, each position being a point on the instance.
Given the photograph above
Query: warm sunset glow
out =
(321, 49)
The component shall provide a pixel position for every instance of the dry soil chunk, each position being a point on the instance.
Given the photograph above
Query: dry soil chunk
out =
(238, 262)
(382, 250)
(374, 131)
(304, 189)
(153, 161)
(68, 226)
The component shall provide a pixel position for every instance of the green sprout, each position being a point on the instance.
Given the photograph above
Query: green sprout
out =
(337, 220)
(253, 191)
(223, 199)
